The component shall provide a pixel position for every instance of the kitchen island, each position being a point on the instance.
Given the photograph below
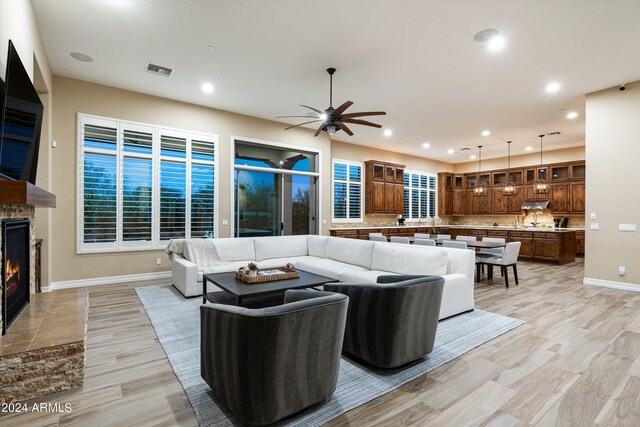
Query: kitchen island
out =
(541, 244)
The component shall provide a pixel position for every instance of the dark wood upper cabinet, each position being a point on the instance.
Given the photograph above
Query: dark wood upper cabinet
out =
(566, 193)
(384, 187)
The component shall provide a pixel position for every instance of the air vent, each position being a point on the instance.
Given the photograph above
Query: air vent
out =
(465, 149)
(159, 70)
(553, 133)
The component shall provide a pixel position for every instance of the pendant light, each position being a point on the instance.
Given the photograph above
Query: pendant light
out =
(541, 186)
(479, 189)
(509, 189)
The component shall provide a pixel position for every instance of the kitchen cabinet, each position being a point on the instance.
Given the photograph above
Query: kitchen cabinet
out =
(559, 197)
(384, 187)
(556, 246)
(482, 204)
(458, 202)
(445, 194)
(580, 242)
(577, 197)
(500, 201)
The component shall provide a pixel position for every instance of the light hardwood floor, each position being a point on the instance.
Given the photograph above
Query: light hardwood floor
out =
(575, 362)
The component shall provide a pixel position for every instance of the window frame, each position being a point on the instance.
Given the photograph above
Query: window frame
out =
(428, 190)
(155, 244)
(347, 163)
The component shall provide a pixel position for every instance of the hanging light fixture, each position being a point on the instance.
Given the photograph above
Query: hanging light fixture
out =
(509, 189)
(479, 189)
(541, 186)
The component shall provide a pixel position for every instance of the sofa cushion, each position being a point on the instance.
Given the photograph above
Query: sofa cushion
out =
(327, 267)
(317, 245)
(223, 268)
(363, 276)
(236, 249)
(279, 262)
(280, 247)
(350, 251)
(404, 259)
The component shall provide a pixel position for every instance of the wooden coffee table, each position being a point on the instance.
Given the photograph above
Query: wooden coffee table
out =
(241, 290)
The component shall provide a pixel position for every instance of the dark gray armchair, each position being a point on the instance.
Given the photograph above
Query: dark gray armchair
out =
(268, 363)
(392, 322)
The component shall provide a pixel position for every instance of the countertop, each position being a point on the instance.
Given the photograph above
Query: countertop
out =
(470, 226)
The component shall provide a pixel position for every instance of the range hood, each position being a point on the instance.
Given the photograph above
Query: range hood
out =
(535, 204)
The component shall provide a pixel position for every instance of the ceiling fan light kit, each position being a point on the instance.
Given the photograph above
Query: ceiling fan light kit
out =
(334, 119)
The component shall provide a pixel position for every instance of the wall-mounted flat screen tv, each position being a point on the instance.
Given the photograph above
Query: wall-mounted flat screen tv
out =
(20, 122)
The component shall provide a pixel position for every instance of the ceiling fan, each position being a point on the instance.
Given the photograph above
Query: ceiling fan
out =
(334, 119)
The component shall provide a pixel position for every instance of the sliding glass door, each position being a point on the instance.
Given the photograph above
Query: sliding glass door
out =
(275, 191)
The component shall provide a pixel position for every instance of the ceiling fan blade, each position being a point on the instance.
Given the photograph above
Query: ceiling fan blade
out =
(345, 128)
(367, 113)
(311, 108)
(362, 122)
(303, 117)
(319, 130)
(305, 123)
(338, 111)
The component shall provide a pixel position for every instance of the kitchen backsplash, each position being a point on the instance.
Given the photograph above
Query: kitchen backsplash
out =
(379, 220)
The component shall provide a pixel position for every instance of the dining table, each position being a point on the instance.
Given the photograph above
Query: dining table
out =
(470, 243)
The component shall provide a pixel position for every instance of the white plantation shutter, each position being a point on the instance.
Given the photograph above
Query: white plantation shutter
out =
(420, 194)
(141, 185)
(99, 181)
(347, 191)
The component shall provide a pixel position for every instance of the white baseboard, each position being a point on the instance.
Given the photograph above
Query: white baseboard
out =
(97, 281)
(611, 284)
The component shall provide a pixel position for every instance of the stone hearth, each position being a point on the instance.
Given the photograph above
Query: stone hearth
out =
(44, 349)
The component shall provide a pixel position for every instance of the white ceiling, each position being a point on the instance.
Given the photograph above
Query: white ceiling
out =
(416, 60)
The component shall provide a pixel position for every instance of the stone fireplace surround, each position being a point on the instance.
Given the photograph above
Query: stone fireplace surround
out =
(15, 211)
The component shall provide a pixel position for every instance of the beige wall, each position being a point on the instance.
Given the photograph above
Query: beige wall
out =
(18, 24)
(76, 96)
(562, 155)
(613, 152)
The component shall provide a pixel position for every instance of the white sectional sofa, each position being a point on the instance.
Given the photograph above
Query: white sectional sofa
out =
(345, 260)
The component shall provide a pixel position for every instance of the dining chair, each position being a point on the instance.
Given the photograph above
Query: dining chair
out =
(466, 238)
(508, 259)
(400, 239)
(454, 244)
(376, 238)
(443, 236)
(492, 251)
(422, 236)
(424, 242)
(375, 234)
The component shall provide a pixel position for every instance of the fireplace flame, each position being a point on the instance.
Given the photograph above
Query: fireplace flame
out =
(12, 271)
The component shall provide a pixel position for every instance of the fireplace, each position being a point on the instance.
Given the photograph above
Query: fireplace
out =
(16, 242)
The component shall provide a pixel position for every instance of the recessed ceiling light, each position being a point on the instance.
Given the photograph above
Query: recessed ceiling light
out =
(572, 115)
(426, 145)
(450, 151)
(323, 116)
(553, 87)
(486, 133)
(528, 148)
(472, 157)
(81, 57)
(388, 132)
(207, 87)
(496, 44)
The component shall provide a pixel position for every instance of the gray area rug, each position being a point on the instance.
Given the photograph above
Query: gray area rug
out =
(177, 324)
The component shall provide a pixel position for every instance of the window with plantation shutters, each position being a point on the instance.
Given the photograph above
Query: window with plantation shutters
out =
(142, 185)
(346, 194)
(420, 194)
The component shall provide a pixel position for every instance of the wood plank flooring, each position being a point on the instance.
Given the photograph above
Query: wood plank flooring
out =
(575, 362)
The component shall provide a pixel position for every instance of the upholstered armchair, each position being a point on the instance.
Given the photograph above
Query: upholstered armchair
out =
(392, 322)
(266, 364)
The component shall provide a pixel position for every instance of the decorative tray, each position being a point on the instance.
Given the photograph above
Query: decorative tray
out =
(267, 275)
